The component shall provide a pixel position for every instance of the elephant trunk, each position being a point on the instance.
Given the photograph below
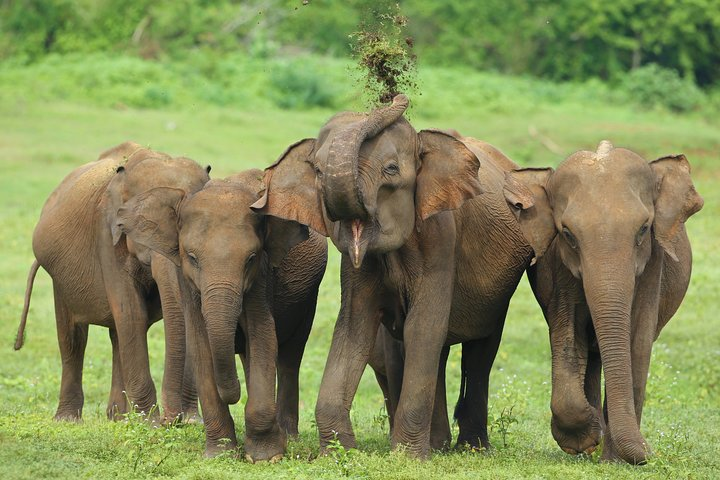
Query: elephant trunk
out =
(221, 308)
(609, 290)
(340, 183)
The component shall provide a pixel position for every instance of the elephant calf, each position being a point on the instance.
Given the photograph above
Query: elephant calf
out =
(102, 278)
(614, 265)
(241, 269)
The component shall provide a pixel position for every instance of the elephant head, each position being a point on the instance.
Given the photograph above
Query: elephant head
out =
(142, 170)
(604, 212)
(369, 179)
(223, 248)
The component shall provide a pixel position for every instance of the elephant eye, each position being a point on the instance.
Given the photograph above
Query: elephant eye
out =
(641, 234)
(569, 238)
(318, 172)
(250, 259)
(391, 169)
(193, 259)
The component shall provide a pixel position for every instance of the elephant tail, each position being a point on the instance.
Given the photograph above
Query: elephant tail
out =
(23, 318)
(460, 405)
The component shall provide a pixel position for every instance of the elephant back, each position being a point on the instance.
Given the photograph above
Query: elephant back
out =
(68, 218)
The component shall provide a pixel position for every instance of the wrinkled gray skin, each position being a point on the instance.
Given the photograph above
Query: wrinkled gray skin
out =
(102, 278)
(400, 207)
(614, 265)
(237, 272)
(387, 359)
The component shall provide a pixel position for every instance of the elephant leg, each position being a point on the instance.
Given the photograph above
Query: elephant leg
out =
(166, 277)
(477, 359)
(353, 340)
(593, 385)
(72, 339)
(290, 355)
(575, 424)
(387, 362)
(440, 436)
(264, 439)
(191, 413)
(424, 335)
(394, 365)
(117, 403)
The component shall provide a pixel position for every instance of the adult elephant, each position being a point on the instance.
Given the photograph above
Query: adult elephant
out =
(419, 253)
(243, 270)
(102, 278)
(614, 265)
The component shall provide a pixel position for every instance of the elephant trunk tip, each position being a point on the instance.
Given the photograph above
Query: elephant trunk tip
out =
(230, 394)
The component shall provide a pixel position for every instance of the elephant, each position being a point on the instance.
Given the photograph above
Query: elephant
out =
(613, 267)
(102, 278)
(420, 254)
(242, 269)
(387, 359)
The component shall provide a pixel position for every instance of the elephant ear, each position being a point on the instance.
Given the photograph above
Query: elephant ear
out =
(290, 188)
(114, 193)
(448, 174)
(525, 191)
(114, 201)
(676, 200)
(281, 236)
(151, 219)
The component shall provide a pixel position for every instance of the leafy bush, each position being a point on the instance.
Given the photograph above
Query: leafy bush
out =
(296, 84)
(654, 86)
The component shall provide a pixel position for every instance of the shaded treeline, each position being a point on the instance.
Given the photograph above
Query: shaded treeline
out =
(558, 39)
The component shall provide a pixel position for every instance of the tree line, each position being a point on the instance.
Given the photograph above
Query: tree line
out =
(557, 39)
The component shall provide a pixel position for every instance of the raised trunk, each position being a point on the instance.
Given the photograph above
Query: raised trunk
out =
(609, 289)
(341, 188)
(221, 309)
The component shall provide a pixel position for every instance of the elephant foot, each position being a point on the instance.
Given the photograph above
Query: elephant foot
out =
(274, 459)
(582, 438)
(413, 450)
(634, 453)
(192, 418)
(116, 411)
(473, 443)
(265, 446)
(68, 416)
(213, 449)
(440, 445)
(290, 426)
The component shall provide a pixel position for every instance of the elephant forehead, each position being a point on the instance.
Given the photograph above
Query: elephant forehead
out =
(165, 172)
(221, 205)
(618, 170)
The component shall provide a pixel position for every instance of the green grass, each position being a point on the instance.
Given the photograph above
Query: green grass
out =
(42, 137)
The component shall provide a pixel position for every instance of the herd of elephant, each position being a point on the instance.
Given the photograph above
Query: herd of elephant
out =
(435, 231)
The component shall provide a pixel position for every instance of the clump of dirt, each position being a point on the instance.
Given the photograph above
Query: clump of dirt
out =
(385, 56)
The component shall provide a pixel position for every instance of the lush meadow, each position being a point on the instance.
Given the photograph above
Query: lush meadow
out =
(235, 114)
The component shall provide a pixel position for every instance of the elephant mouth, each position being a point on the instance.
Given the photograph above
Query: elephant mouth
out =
(356, 227)
(354, 238)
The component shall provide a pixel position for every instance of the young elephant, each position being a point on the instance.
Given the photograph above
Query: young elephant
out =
(101, 278)
(614, 265)
(419, 253)
(238, 268)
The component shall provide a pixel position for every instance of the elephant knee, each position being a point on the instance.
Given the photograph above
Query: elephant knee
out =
(260, 419)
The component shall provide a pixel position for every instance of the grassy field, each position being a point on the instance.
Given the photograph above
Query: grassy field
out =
(43, 135)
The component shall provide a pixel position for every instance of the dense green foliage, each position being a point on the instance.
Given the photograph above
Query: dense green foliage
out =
(310, 81)
(62, 111)
(560, 39)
